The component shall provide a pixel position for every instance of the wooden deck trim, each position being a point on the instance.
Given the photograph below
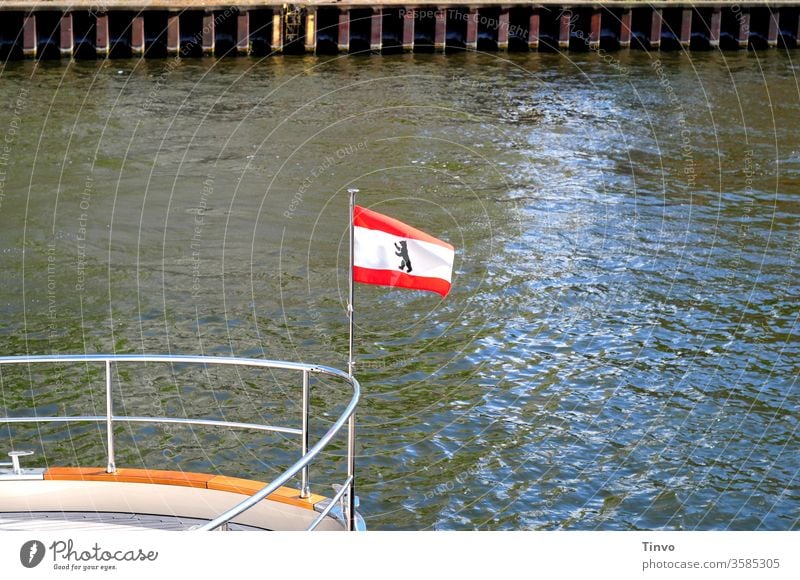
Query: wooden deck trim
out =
(129, 476)
(283, 495)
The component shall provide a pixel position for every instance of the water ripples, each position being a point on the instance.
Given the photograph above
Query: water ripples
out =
(620, 347)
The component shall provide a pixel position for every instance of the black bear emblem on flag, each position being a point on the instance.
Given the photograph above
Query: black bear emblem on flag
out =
(402, 251)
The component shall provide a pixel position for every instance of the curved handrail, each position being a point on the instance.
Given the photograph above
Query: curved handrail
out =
(172, 358)
(300, 466)
(347, 415)
(158, 420)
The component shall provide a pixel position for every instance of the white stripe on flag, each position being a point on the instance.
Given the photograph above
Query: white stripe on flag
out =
(375, 249)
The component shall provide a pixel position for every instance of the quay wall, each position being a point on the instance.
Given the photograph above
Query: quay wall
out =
(155, 29)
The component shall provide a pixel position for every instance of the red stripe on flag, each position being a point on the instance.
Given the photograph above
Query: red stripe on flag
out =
(372, 220)
(400, 279)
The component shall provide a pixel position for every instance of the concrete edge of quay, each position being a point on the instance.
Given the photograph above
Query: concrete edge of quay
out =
(103, 5)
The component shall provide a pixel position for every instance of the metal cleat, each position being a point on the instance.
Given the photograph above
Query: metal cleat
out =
(15, 455)
(16, 469)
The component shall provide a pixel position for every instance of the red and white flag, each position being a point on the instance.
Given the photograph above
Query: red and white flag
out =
(390, 253)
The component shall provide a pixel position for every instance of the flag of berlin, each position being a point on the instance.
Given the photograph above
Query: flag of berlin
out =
(390, 253)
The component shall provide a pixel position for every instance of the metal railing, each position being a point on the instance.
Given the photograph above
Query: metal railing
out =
(300, 466)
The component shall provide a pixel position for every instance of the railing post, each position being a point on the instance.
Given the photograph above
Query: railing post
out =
(305, 489)
(351, 472)
(111, 467)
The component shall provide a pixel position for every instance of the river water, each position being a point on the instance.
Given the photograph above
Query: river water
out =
(620, 347)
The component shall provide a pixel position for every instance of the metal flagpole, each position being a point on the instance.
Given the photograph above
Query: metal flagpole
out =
(351, 425)
(350, 302)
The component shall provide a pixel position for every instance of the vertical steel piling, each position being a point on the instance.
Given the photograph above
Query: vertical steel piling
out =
(67, 40)
(655, 29)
